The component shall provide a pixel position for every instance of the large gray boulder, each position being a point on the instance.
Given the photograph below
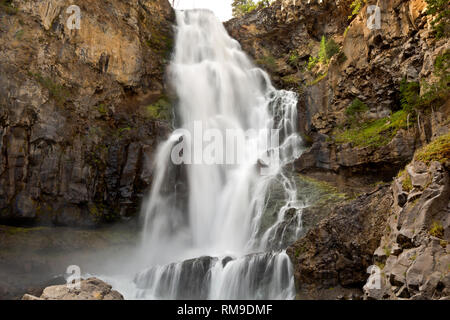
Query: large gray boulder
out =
(90, 289)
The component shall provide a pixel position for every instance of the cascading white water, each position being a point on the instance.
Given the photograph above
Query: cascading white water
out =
(205, 230)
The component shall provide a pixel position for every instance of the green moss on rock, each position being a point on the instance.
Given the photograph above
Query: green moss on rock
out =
(437, 150)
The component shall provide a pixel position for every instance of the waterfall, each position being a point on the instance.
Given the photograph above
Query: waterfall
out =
(207, 232)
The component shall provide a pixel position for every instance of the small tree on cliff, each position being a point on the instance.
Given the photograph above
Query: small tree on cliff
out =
(440, 10)
(242, 7)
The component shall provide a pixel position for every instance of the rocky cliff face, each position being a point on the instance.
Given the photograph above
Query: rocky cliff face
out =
(369, 67)
(81, 110)
(402, 230)
(414, 254)
(363, 128)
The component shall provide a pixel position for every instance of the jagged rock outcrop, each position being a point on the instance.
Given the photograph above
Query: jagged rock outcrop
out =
(414, 253)
(370, 66)
(81, 110)
(90, 289)
(400, 232)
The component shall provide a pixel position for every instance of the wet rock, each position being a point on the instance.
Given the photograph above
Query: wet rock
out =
(337, 251)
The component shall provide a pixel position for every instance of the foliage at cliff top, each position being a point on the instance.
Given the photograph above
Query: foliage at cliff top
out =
(440, 9)
(242, 7)
(437, 150)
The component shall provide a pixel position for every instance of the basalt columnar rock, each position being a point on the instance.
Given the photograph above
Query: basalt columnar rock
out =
(399, 231)
(414, 253)
(369, 67)
(81, 110)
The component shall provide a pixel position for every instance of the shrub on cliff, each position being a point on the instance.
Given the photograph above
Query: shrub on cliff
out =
(433, 94)
(437, 150)
(356, 6)
(242, 7)
(357, 106)
(328, 48)
(441, 11)
(409, 95)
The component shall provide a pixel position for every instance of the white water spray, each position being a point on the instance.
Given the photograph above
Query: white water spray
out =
(206, 230)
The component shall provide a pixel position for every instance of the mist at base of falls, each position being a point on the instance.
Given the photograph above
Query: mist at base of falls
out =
(218, 231)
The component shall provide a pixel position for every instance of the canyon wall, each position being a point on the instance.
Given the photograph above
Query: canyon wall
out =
(369, 67)
(81, 109)
(365, 130)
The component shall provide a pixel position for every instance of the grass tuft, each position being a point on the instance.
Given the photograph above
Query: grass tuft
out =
(437, 150)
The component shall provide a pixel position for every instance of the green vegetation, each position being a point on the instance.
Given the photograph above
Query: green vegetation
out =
(161, 110)
(437, 230)
(57, 92)
(356, 6)
(99, 212)
(387, 251)
(19, 34)
(321, 193)
(440, 9)
(407, 183)
(268, 62)
(437, 93)
(242, 7)
(102, 109)
(357, 106)
(380, 265)
(437, 150)
(434, 94)
(409, 95)
(374, 133)
(328, 48)
(319, 78)
(312, 62)
(379, 132)
(341, 57)
(346, 31)
(299, 250)
(294, 58)
(6, 6)
(293, 80)
(20, 230)
(160, 43)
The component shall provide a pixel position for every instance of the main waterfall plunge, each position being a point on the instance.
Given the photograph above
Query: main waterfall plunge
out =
(217, 231)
